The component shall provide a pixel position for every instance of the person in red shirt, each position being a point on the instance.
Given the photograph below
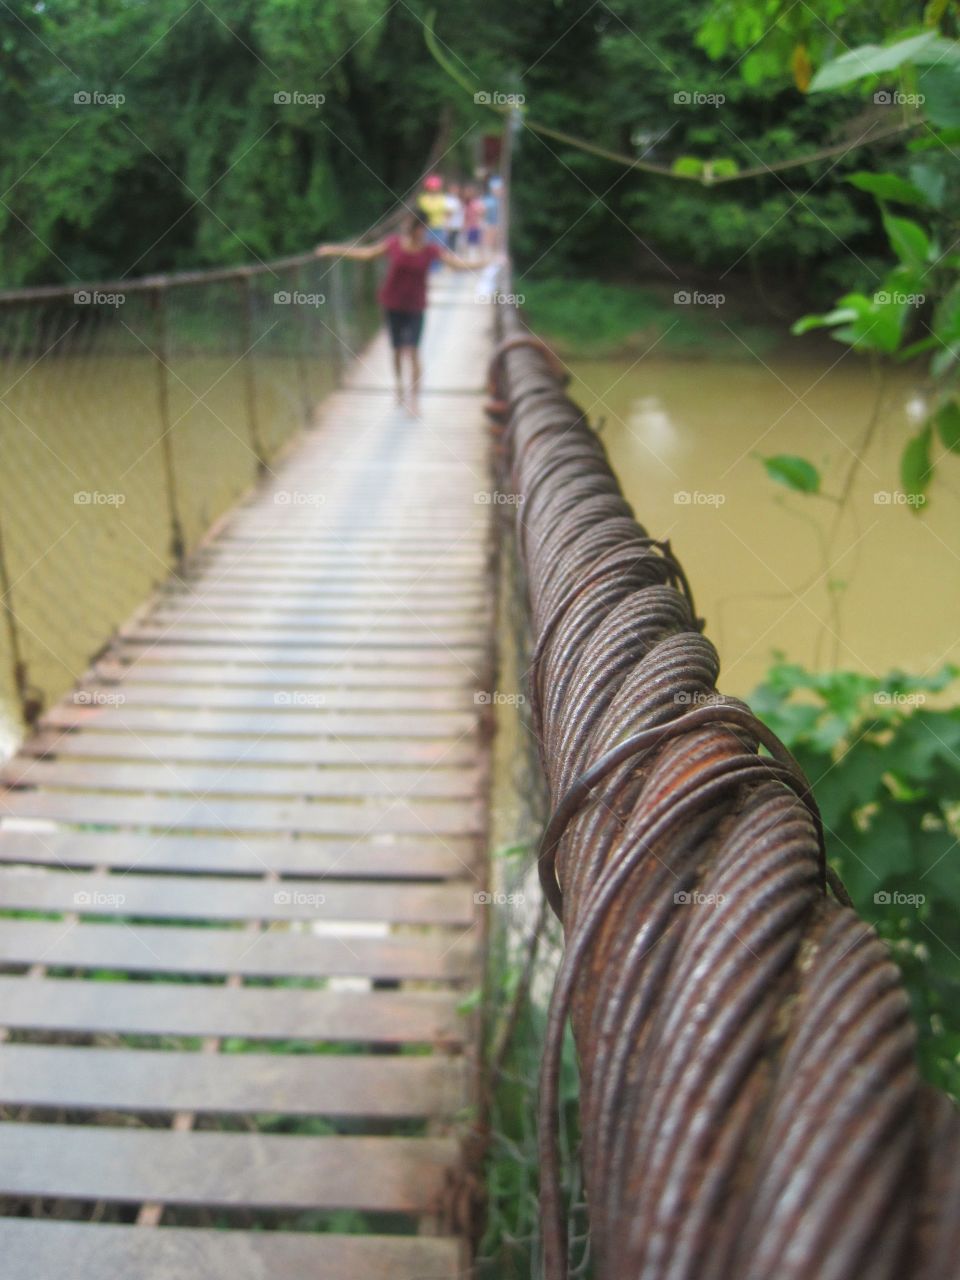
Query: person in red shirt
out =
(403, 294)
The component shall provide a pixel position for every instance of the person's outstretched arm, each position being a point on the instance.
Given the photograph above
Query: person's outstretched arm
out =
(461, 264)
(358, 252)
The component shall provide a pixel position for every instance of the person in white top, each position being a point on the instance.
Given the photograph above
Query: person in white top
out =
(453, 224)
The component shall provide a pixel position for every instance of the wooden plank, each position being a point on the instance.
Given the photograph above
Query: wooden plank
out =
(241, 780)
(407, 530)
(339, 607)
(42, 1249)
(352, 817)
(364, 541)
(378, 634)
(222, 898)
(292, 574)
(253, 1013)
(399, 1175)
(369, 648)
(343, 566)
(274, 953)
(274, 589)
(271, 587)
(390, 857)
(247, 601)
(235, 1083)
(359, 659)
(336, 553)
(294, 699)
(397, 613)
(158, 668)
(414, 754)
(308, 724)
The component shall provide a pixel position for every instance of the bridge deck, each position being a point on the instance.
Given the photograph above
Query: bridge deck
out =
(237, 872)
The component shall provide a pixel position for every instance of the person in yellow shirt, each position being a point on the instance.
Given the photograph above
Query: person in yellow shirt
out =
(433, 204)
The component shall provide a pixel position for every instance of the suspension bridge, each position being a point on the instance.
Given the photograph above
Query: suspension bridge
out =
(254, 829)
(243, 854)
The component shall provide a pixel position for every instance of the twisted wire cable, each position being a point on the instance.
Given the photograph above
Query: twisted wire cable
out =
(750, 1102)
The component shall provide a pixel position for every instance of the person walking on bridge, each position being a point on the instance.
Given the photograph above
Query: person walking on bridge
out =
(403, 294)
(432, 203)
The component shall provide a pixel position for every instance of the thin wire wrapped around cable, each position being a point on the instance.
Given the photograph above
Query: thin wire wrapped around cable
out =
(749, 1102)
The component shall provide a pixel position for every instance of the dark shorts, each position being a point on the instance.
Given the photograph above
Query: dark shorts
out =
(473, 235)
(405, 327)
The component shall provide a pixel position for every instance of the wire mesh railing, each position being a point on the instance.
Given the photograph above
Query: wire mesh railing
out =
(133, 414)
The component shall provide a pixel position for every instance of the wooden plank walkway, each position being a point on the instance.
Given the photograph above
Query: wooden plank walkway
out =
(238, 870)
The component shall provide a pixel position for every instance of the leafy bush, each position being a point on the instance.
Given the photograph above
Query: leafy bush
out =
(584, 319)
(885, 769)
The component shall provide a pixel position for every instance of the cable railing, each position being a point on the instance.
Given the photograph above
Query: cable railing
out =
(133, 415)
(750, 1103)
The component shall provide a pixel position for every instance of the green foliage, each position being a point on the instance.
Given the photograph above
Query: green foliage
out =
(917, 308)
(662, 99)
(888, 186)
(195, 162)
(510, 1248)
(873, 60)
(765, 36)
(915, 464)
(885, 770)
(793, 473)
(586, 318)
(688, 166)
(947, 420)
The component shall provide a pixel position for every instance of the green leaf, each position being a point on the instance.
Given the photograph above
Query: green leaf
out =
(687, 166)
(890, 844)
(795, 473)
(946, 321)
(872, 59)
(942, 361)
(942, 52)
(935, 140)
(870, 324)
(888, 186)
(930, 180)
(922, 740)
(723, 167)
(915, 465)
(470, 1002)
(908, 239)
(937, 854)
(940, 87)
(841, 316)
(947, 421)
(917, 348)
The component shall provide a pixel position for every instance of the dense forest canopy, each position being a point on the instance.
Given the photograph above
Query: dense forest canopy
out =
(147, 136)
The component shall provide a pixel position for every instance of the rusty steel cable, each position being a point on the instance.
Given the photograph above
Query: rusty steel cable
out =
(750, 1104)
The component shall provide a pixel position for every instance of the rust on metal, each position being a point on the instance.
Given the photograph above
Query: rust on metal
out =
(750, 1101)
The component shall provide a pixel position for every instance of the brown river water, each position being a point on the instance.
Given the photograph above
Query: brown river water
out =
(768, 570)
(872, 588)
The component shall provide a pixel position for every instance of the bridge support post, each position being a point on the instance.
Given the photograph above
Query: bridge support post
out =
(177, 545)
(30, 705)
(339, 314)
(304, 344)
(250, 383)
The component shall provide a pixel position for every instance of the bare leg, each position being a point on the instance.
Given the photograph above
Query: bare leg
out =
(416, 374)
(398, 373)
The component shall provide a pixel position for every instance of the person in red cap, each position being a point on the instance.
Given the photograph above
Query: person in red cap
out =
(403, 294)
